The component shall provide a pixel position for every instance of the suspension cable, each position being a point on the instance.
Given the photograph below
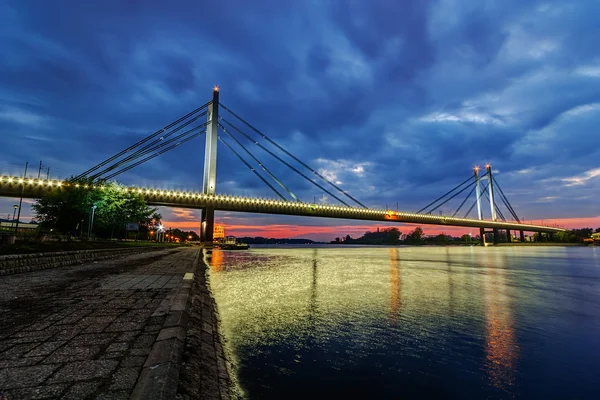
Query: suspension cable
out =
(506, 202)
(464, 201)
(103, 163)
(258, 162)
(152, 156)
(149, 148)
(445, 194)
(448, 199)
(286, 163)
(292, 156)
(474, 203)
(495, 207)
(251, 168)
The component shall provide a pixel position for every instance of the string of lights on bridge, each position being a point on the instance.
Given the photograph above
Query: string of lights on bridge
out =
(51, 184)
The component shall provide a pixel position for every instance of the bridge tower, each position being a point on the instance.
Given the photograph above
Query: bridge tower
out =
(492, 204)
(209, 183)
(491, 188)
(478, 196)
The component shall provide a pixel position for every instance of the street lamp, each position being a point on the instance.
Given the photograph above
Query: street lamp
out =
(15, 207)
(94, 206)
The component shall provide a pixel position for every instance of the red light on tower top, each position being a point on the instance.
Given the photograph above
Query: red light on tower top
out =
(487, 166)
(216, 88)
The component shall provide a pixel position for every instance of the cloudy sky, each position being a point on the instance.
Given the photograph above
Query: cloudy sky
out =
(394, 100)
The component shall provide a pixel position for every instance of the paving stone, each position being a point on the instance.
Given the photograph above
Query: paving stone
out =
(74, 353)
(18, 350)
(125, 378)
(133, 361)
(68, 333)
(128, 336)
(93, 339)
(124, 326)
(170, 333)
(81, 390)
(84, 370)
(144, 341)
(47, 333)
(45, 348)
(118, 395)
(39, 392)
(20, 362)
(95, 328)
(5, 346)
(117, 346)
(118, 355)
(20, 377)
(38, 326)
(140, 352)
(152, 328)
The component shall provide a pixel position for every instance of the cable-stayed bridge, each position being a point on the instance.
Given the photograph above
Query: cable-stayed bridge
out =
(208, 200)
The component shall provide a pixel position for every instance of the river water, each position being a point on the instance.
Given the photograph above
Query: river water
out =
(411, 322)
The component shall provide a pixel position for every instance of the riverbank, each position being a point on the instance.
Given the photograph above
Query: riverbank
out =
(206, 370)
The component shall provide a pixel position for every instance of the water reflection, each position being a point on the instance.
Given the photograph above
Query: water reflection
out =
(407, 322)
(394, 286)
(501, 347)
(216, 262)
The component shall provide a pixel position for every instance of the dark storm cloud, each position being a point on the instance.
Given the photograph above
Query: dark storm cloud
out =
(395, 100)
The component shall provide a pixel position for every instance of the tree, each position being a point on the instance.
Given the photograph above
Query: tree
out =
(597, 230)
(66, 208)
(415, 236)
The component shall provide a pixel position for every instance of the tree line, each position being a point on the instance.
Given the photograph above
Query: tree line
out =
(70, 211)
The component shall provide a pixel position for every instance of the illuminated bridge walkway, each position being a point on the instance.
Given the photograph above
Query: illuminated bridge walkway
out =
(35, 188)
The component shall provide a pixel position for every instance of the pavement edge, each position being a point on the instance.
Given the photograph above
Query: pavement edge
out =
(159, 377)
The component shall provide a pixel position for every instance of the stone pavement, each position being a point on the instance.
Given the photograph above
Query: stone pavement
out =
(86, 331)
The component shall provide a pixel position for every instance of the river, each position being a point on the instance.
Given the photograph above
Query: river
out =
(411, 322)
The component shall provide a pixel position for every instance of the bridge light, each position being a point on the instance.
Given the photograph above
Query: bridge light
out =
(49, 183)
(59, 183)
(10, 180)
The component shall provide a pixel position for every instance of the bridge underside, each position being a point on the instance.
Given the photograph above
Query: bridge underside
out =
(10, 187)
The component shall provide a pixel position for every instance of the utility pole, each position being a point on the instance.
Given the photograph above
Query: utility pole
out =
(21, 199)
(45, 169)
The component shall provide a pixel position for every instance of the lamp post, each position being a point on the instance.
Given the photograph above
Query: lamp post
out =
(94, 206)
(15, 207)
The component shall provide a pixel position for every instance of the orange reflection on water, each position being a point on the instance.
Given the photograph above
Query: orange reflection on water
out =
(501, 347)
(216, 262)
(394, 285)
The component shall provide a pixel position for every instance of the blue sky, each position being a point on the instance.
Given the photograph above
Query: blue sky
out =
(396, 100)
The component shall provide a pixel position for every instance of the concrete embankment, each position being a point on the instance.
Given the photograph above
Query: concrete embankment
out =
(18, 263)
(206, 371)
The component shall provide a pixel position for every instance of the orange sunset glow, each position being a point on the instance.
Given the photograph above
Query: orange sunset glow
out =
(329, 232)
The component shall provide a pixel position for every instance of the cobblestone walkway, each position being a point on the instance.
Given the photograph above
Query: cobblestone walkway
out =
(84, 331)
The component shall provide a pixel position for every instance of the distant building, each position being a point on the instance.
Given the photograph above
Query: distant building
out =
(596, 236)
(218, 232)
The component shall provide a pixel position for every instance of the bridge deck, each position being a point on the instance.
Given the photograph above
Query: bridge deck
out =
(33, 188)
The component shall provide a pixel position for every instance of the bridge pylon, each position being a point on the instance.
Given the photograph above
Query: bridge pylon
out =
(209, 183)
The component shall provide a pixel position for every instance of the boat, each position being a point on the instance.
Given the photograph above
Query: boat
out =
(231, 243)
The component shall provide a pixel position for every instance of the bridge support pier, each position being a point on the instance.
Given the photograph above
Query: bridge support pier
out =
(496, 238)
(522, 234)
(482, 236)
(207, 223)
(508, 238)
